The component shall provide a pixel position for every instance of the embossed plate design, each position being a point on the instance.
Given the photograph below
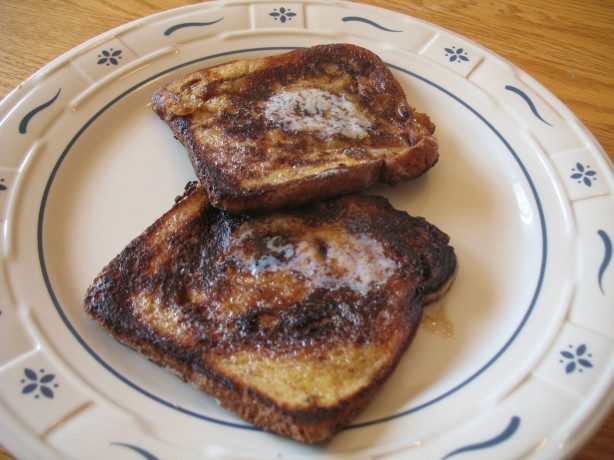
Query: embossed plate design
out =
(516, 361)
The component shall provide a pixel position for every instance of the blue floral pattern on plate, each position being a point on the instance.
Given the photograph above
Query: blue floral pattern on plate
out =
(576, 359)
(584, 174)
(455, 54)
(108, 57)
(283, 15)
(38, 383)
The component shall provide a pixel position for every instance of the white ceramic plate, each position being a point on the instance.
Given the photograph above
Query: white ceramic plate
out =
(518, 360)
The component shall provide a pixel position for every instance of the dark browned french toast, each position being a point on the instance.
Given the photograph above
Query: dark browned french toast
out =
(292, 128)
(292, 320)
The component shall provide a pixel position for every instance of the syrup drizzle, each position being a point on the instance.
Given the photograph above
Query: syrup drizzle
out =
(436, 321)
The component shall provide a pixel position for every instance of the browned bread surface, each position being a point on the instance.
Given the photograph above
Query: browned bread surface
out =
(295, 127)
(291, 320)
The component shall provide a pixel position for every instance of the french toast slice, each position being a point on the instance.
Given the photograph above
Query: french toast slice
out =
(291, 320)
(292, 128)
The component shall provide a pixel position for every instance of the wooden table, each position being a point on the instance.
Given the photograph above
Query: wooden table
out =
(568, 45)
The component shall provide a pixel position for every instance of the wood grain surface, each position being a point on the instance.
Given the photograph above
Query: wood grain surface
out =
(567, 45)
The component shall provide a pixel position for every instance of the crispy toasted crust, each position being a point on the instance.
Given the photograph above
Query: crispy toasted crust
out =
(289, 129)
(292, 320)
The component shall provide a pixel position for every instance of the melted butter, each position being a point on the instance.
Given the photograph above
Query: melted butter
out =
(354, 261)
(436, 322)
(319, 111)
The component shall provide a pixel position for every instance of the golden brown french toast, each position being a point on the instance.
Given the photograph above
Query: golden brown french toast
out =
(292, 320)
(292, 128)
